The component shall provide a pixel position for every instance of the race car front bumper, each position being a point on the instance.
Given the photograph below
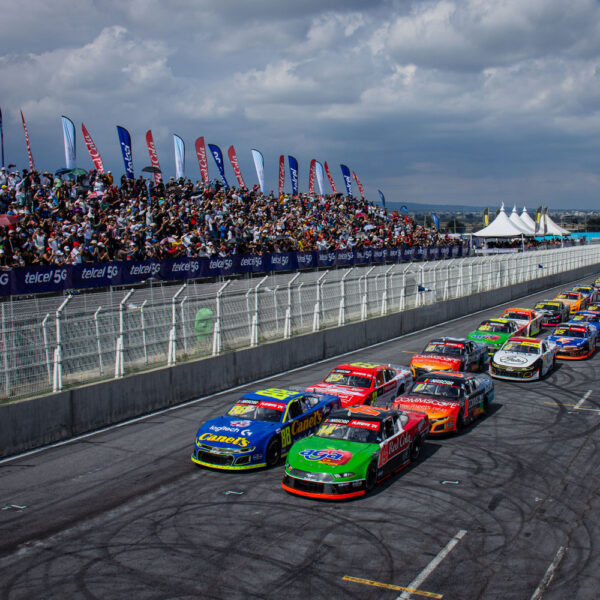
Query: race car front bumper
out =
(514, 374)
(323, 490)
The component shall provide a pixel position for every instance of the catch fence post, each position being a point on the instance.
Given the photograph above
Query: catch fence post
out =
(57, 375)
(98, 342)
(217, 335)
(287, 328)
(119, 366)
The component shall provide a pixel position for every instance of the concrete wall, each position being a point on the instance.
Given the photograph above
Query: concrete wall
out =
(32, 423)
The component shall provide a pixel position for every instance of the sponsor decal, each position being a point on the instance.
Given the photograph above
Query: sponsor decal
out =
(219, 428)
(242, 442)
(394, 447)
(327, 457)
(303, 425)
(372, 425)
(243, 423)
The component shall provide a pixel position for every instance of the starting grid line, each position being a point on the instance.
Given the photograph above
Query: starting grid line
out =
(413, 586)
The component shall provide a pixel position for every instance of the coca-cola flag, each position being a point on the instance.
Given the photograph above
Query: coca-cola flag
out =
(236, 167)
(311, 177)
(330, 178)
(94, 154)
(359, 184)
(29, 154)
(281, 175)
(153, 156)
(202, 162)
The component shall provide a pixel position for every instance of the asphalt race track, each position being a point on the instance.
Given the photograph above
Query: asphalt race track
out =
(506, 510)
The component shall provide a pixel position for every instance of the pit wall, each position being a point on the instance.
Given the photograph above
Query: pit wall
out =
(35, 422)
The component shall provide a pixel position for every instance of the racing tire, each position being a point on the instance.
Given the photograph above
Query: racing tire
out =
(273, 452)
(460, 422)
(415, 449)
(371, 477)
(367, 402)
(486, 405)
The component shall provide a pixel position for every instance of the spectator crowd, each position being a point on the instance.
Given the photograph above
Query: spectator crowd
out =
(46, 219)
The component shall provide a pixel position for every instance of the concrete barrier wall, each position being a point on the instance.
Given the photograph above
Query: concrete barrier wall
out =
(35, 422)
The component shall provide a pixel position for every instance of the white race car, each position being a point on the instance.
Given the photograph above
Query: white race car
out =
(525, 317)
(524, 359)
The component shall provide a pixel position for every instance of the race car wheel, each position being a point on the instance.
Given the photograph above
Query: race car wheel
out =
(460, 422)
(273, 453)
(486, 405)
(415, 449)
(371, 477)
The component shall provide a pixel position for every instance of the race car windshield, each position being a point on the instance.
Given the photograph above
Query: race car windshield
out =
(586, 318)
(444, 349)
(496, 327)
(349, 380)
(521, 348)
(515, 315)
(437, 389)
(335, 431)
(255, 412)
(546, 306)
(576, 333)
(569, 296)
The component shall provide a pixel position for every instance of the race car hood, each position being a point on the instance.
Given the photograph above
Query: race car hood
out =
(515, 359)
(348, 395)
(321, 455)
(563, 341)
(434, 406)
(436, 362)
(234, 432)
(492, 339)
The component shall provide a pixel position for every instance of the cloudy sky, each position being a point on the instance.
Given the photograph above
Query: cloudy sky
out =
(441, 101)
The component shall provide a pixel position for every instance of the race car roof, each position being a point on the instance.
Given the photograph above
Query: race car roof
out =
(369, 413)
(523, 311)
(453, 340)
(360, 367)
(556, 303)
(496, 321)
(529, 340)
(450, 375)
(274, 395)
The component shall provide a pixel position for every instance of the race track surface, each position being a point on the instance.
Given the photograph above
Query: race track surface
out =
(506, 510)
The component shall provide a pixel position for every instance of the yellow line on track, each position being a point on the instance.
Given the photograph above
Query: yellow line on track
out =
(389, 586)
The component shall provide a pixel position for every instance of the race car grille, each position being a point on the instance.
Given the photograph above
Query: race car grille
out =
(312, 476)
(515, 374)
(214, 459)
(305, 486)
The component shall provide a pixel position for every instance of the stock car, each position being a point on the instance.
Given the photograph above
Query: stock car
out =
(494, 332)
(575, 341)
(589, 291)
(260, 428)
(365, 383)
(524, 359)
(450, 354)
(594, 307)
(450, 400)
(352, 450)
(530, 320)
(553, 312)
(576, 301)
(587, 316)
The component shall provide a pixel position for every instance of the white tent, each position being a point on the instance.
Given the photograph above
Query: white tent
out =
(514, 217)
(552, 228)
(502, 226)
(528, 220)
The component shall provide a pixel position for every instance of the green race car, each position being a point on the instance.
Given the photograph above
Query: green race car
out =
(494, 332)
(352, 450)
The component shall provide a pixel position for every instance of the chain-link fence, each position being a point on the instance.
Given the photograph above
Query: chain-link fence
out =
(52, 342)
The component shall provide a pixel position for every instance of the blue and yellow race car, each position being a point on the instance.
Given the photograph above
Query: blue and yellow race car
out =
(260, 428)
(587, 316)
(575, 341)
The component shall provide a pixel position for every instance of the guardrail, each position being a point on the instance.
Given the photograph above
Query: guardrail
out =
(50, 343)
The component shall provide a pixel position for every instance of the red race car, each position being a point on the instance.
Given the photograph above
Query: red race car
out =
(365, 383)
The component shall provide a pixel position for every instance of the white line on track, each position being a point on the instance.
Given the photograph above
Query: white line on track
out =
(547, 578)
(583, 399)
(250, 383)
(424, 574)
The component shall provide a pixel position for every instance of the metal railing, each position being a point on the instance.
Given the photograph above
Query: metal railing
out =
(52, 342)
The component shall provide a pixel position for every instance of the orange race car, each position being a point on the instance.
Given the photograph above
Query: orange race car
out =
(528, 320)
(576, 301)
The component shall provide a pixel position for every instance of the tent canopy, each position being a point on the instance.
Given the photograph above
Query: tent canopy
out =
(502, 226)
(514, 217)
